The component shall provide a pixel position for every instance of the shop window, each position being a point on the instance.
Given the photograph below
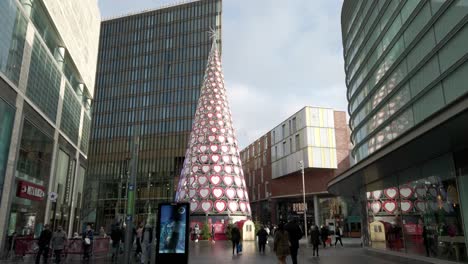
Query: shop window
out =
(418, 211)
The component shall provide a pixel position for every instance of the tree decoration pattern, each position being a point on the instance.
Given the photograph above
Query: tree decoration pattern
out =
(212, 180)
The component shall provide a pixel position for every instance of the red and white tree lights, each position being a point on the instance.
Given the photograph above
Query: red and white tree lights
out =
(212, 179)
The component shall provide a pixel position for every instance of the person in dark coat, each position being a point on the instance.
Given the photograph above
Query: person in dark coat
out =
(44, 244)
(295, 234)
(262, 239)
(116, 237)
(324, 235)
(235, 239)
(315, 239)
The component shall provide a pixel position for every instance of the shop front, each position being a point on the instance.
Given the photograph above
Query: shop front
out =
(419, 211)
(27, 212)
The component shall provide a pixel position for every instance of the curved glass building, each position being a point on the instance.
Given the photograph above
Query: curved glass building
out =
(407, 78)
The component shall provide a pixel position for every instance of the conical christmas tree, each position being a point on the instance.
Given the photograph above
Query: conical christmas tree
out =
(212, 179)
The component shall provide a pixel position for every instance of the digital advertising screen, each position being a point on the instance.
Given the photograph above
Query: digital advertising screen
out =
(172, 229)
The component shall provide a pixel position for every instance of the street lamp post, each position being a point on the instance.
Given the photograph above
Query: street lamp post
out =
(301, 165)
(131, 191)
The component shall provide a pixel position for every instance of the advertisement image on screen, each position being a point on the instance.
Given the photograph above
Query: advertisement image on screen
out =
(172, 229)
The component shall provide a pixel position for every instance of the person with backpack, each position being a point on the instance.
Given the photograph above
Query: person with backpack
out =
(338, 235)
(59, 240)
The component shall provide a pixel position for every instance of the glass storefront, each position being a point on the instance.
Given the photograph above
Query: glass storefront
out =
(32, 178)
(418, 211)
(6, 126)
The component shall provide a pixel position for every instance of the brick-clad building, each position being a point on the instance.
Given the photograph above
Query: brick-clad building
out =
(319, 137)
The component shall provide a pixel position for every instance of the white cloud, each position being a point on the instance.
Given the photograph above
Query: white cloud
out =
(279, 57)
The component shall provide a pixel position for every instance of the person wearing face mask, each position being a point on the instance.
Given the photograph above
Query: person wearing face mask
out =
(59, 240)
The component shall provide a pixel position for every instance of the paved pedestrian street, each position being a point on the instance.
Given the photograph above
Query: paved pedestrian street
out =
(220, 252)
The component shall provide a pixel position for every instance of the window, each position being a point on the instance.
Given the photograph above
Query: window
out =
(283, 131)
(290, 146)
(284, 148)
(290, 127)
(298, 143)
(274, 137)
(294, 127)
(276, 152)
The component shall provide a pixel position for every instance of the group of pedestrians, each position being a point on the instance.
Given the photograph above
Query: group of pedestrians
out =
(286, 239)
(57, 242)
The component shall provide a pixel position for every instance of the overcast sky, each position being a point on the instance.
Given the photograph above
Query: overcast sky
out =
(278, 56)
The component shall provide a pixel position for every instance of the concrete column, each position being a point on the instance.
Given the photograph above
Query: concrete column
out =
(27, 6)
(75, 180)
(9, 181)
(59, 55)
(53, 163)
(316, 210)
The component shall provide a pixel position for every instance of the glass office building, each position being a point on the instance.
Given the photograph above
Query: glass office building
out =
(406, 72)
(47, 70)
(150, 71)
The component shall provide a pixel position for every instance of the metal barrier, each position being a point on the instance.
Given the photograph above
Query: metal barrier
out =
(28, 246)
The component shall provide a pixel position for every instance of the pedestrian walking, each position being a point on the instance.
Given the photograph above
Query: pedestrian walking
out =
(295, 234)
(338, 235)
(146, 242)
(235, 239)
(315, 239)
(44, 243)
(262, 235)
(324, 235)
(59, 241)
(281, 244)
(197, 232)
(139, 234)
(88, 237)
(116, 237)
(212, 234)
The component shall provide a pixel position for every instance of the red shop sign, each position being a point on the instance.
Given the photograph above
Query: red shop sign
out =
(30, 191)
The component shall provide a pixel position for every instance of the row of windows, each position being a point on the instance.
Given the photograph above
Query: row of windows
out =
(152, 73)
(365, 63)
(147, 100)
(71, 114)
(423, 47)
(427, 103)
(145, 114)
(147, 128)
(12, 38)
(177, 31)
(152, 53)
(150, 88)
(161, 16)
(173, 142)
(383, 20)
(158, 167)
(44, 79)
